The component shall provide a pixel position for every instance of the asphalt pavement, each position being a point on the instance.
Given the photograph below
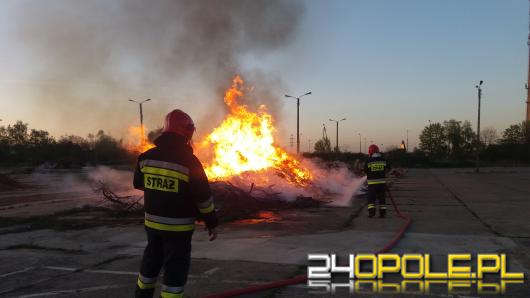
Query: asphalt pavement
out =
(453, 211)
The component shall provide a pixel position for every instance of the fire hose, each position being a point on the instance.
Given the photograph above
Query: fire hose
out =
(303, 278)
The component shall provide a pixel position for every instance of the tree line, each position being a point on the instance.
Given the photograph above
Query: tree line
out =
(454, 140)
(21, 145)
(451, 143)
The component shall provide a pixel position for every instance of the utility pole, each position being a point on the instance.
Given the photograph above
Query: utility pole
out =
(337, 136)
(479, 90)
(528, 80)
(360, 151)
(528, 95)
(407, 141)
(141, 117)
(325, 136)
(298, 118)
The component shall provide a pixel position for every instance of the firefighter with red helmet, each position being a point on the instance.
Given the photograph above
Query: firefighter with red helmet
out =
(176, 193)
(375, 169)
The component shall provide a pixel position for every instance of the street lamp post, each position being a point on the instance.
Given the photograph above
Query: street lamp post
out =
(141, 117)
(298, 118)
(479, 93)
(337, 136)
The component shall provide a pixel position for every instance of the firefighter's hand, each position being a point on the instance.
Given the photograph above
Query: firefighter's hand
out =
(213, 234)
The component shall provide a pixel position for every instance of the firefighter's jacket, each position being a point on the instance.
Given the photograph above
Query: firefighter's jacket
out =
(375, 169)
(176, 189)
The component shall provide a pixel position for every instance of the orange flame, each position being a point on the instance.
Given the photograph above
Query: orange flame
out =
(137, 141)
(244, 143)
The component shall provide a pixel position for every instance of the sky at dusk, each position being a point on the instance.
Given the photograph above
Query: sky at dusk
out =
(387, 66)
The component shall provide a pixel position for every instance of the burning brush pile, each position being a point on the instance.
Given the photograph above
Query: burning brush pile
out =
(242, 149)
(249, 172)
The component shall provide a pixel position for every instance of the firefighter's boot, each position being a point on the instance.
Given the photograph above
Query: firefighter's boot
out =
(144, 293)
(371, 210)
(382, 212)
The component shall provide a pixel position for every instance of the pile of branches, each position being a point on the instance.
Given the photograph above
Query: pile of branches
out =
(233, 202)
(119, 203)
(397, 173)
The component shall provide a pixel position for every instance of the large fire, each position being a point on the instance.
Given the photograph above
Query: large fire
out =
(244, 143)
(137, 141)
(241, 146)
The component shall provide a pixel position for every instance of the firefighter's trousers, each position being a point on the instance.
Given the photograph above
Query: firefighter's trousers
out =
(170, 250)
(376, 196)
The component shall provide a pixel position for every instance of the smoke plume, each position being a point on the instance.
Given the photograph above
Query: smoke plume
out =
(88, 57)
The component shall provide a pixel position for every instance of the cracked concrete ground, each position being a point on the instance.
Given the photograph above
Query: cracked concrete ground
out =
(453, 211)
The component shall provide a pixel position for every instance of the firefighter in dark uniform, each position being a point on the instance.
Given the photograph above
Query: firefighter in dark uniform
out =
(176, 193)
(375, 169)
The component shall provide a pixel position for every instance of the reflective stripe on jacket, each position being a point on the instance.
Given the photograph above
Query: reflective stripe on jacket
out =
(176, 189)
(375, 169)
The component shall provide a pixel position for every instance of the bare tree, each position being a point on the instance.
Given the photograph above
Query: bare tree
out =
(489, 135)
(323, 145)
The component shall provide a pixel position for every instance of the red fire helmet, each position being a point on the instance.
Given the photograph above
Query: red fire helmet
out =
(180, 123)
(373, 149)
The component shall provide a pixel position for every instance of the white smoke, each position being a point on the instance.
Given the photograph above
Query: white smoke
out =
(340, 184)
(336, 185)
(119, 181)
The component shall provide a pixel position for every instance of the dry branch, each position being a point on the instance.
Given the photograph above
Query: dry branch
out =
(117, 202)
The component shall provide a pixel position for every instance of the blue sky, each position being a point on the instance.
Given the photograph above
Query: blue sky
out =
(389, 66)
(386, 66)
